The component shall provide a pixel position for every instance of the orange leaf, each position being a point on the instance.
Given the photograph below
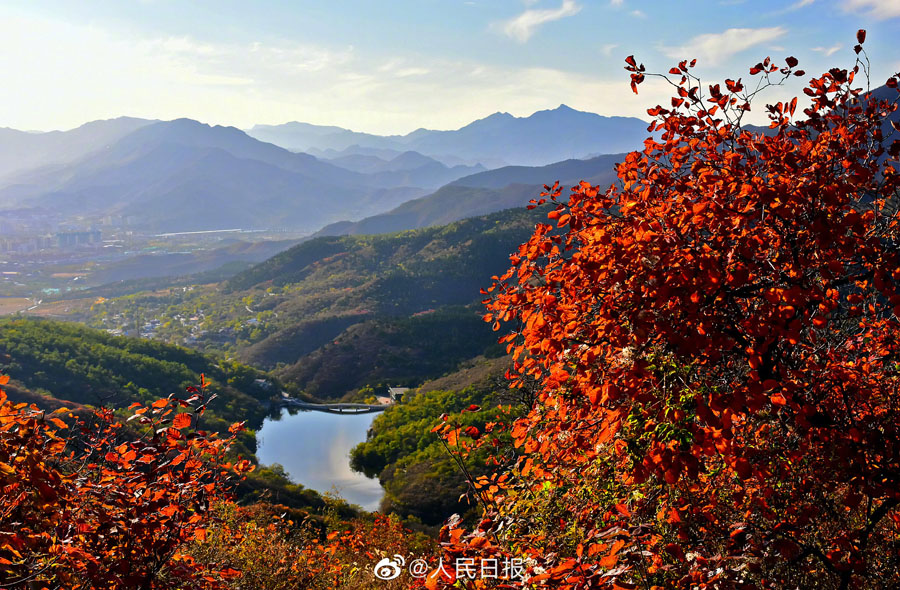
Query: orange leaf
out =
(182, 420)
(169, 510)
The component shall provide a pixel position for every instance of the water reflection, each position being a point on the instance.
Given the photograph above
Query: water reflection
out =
(314, 449)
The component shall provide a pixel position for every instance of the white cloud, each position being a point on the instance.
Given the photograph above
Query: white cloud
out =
(793, 7)
(608, 48)
(638, 14)
(798, 5)
(828, 51)
(879, 9)
(522, 27)
(616, 2)
(414, 71)
(401, 68)
(716, 48)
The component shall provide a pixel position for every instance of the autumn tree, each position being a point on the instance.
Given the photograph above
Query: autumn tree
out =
(142, 499)
(717, 339)
(275, 548)
(106, 503)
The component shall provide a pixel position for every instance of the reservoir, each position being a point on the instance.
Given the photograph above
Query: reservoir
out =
(314, 449)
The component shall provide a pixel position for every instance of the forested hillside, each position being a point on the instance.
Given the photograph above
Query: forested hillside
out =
(420, 477)
(61, 364)
(334, 314)
(69, 362)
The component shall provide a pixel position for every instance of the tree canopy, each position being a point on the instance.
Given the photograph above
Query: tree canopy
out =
(716, 341)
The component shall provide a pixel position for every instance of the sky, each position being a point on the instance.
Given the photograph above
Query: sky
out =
(392, 66)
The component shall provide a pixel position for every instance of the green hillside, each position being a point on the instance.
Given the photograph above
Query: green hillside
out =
(463, 248)
(371, 309)
(420, 478)
(448, 204)
(396, 351)
(70, 362)
(334, 314)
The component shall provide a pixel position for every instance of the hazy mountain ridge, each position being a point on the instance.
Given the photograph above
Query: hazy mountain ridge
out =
(480, 194)
(183, 175)
(543, 137)
(22, 150)
(405, 169)
(301, 137)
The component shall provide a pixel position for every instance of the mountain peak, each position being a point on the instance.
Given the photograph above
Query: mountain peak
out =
(561, 110)
(496, 119)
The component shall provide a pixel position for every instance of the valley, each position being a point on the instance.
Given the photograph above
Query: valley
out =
(334, 315)
(340, 311)
(333, 293)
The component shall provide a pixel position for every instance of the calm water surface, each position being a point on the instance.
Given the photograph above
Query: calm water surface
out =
(314, 449)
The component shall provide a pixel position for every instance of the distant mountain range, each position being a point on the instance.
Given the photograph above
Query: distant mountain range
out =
(480, 194)
(23, 150)
(183, 175)
(544, 137)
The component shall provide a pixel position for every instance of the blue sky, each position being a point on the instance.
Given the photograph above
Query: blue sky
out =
(391, 66)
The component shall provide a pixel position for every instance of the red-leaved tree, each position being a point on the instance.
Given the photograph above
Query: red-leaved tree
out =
(96, 504)
(718, 345)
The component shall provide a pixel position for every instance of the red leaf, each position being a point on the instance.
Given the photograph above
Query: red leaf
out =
(169, 510)
(182, 420)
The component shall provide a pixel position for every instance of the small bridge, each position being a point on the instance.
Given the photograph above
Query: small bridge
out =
(335, 408)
